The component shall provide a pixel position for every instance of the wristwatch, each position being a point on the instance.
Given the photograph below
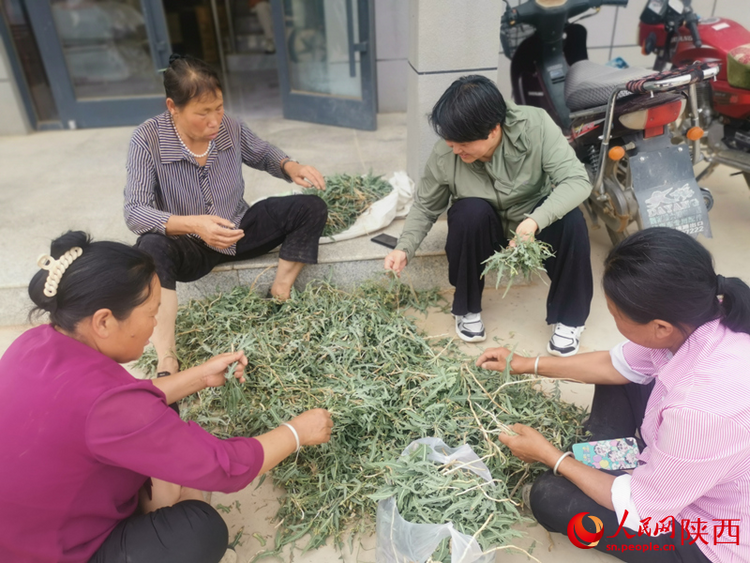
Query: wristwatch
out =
(283, 166)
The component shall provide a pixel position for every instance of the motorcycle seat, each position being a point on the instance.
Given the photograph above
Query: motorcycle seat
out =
(589, 84)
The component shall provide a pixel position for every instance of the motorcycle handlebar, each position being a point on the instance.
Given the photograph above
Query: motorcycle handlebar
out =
(692, 24)
(529, 11)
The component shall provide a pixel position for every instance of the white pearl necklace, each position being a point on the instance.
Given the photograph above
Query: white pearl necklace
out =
(208, 150)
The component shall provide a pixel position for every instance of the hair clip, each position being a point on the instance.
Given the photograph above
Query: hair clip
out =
(56, 268)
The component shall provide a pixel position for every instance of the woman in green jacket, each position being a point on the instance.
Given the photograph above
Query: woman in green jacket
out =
(508, 171)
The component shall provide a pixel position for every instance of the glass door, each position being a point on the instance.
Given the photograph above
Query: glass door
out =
(103, 58)
(326, 59)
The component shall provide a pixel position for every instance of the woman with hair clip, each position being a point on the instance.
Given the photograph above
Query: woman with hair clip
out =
(681, 379)
(91, 454)
(184, 195)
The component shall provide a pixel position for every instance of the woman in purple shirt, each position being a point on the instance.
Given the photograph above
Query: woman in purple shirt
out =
(84, 438)
(184, 195)
(681, 381)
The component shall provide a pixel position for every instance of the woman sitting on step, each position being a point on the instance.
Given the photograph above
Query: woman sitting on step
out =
(91, 455)
(184, 195)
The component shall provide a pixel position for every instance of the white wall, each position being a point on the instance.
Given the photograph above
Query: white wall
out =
(392, 51)
(447, 39)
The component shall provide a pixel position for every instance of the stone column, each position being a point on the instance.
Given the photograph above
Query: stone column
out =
(447, 39)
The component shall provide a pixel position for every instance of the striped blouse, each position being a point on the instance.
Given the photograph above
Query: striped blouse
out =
(696, 466)
(163, 179)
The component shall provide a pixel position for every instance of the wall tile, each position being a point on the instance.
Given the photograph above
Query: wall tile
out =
(626, 27)
(600, 55)
(392, 29)
(600, 27)
(392, 80)
(737, 10)
(455, 34)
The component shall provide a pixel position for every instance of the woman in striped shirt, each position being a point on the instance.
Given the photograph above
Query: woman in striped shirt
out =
(682, 380)
(184, 195)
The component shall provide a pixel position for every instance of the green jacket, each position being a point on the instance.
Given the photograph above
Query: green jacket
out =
(533, 158)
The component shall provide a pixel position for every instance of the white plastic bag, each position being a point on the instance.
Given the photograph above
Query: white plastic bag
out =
(399, 541)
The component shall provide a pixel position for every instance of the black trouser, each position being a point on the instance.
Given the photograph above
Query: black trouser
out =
(191, 531)
(617, 412)
(475, 232)
(294, 222)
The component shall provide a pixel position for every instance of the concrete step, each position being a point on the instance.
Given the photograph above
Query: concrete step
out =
(345, 264)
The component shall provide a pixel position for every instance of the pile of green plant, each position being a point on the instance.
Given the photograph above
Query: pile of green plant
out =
(348, 197)
(522, 260)
(386, 384)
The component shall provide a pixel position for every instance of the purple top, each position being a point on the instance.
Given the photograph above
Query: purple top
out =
(80, 436)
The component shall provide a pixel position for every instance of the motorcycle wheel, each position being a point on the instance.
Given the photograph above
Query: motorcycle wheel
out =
(620, 181)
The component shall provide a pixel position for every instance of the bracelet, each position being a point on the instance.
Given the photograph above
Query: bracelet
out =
(296, 436)
(536, 366)
(562, 457)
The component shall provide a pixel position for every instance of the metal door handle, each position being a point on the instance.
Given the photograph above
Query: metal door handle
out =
(360, 47)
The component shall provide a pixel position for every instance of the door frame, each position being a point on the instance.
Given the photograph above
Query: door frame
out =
(106, 112)
(329, 109)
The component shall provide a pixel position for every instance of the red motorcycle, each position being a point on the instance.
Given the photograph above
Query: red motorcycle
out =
(721, 107)
(616, 120)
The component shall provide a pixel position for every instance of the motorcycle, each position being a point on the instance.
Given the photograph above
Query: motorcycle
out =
(673, 31)
(615, 119)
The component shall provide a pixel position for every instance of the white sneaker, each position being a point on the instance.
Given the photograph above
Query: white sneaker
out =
(565, 340)
(229, 557)
(470, 327)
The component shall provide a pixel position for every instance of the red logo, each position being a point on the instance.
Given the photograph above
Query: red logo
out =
(579, 536)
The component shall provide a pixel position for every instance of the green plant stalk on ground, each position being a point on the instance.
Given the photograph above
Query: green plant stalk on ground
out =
(385, 382)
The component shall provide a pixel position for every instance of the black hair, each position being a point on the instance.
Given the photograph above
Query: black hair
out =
(107, 275)
(663, 273)
(187, 78)
(468, 110)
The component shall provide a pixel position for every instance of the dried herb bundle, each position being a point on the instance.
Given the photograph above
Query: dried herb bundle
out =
(522, 260)
(428, 493)
(347, 197)
(386, 384)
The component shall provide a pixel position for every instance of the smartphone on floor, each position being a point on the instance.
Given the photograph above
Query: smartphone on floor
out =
(385, 240)
(620, 453)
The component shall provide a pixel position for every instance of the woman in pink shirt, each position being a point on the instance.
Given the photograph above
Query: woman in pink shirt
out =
(682, 381)
(83, 438)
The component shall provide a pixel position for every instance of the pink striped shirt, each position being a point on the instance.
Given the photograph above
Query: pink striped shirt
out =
(696, 465)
